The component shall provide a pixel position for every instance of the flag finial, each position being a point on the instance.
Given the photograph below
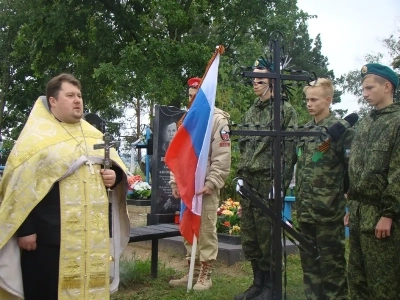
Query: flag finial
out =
(220, 49)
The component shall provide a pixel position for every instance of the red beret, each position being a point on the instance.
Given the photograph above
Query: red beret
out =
(194, 82)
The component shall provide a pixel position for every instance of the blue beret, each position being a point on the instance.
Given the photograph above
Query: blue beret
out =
(382, 71)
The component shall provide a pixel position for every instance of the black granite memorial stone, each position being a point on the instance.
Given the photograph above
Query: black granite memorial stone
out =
(163, 204)
(96, 121)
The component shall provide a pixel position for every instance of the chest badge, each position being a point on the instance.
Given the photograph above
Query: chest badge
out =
(299, 152)
(324, 146)
(317, 156)
(321, 150)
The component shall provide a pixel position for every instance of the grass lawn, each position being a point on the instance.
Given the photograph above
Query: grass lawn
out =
(137, 284)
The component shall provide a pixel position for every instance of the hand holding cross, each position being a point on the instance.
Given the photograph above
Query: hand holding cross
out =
(108, 143)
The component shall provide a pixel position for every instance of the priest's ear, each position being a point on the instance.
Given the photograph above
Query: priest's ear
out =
(51, 101)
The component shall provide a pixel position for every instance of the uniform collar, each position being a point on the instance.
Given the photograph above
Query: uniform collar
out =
(325, 120)
(261, 104)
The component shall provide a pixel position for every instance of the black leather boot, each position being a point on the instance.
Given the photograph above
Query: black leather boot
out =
(266, 288)
(256, 287)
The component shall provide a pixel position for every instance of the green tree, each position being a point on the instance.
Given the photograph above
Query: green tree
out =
(392, 43)
(17, 85)
(137, 53)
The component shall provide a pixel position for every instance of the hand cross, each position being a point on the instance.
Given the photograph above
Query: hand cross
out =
(108, 143)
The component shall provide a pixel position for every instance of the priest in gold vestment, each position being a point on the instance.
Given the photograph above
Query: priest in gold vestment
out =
(61, 231)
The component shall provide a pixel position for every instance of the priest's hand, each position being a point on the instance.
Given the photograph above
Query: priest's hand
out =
(108, 177)
(27, 242)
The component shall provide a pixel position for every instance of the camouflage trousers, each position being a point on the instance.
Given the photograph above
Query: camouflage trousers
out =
(374, 264)
(325, 278)
(255, 227)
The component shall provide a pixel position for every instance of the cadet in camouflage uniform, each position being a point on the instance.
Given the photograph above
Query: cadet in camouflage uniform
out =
(320, 203)
(374, 194)
(255, 167)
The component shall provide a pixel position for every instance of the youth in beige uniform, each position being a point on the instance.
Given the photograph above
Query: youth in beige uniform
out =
(219, 162)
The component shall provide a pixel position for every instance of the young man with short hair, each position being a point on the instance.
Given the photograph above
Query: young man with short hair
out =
(320, 202)
(374, 194)
(255, 167)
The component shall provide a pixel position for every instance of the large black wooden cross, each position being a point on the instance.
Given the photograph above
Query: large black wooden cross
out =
(278, 136)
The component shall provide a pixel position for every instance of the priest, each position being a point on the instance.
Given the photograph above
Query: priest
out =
(63, 218)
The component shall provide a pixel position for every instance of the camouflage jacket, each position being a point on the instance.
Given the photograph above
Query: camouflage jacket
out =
(255, 151)
(374, 167)
(320, 175)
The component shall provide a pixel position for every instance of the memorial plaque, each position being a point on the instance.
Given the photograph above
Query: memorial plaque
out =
(163, 204)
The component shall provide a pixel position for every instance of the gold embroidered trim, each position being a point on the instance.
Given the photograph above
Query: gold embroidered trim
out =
(98, 280)
(16, 161)
(71, 282)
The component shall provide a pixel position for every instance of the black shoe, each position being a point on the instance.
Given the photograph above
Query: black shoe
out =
(265, 294)
(256, 288)
(266, 291)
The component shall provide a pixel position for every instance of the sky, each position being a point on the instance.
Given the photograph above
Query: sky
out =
(349, 30)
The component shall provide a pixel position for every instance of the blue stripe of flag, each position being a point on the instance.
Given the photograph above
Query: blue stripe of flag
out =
(196, 121)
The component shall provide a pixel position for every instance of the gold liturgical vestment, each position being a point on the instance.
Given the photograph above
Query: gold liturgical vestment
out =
(48, 151)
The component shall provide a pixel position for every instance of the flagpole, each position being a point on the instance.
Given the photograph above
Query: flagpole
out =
(192, 262)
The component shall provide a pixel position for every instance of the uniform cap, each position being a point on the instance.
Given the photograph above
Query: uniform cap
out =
(382, 71)
(194, 82)
(262, 63)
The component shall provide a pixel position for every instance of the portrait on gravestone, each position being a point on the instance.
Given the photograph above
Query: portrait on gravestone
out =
(168, 134)
(165, 128)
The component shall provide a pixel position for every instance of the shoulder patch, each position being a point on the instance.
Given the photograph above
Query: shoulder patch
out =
(225, 133)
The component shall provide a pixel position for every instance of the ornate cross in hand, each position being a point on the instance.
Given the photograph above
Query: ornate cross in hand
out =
(108, 143)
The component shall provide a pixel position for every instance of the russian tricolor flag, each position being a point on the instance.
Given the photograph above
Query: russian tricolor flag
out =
(187, 155)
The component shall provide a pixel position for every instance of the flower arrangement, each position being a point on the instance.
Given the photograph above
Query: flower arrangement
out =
(140, 189)
(228, 217)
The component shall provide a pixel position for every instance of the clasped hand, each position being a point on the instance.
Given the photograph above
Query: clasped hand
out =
(109, 177)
